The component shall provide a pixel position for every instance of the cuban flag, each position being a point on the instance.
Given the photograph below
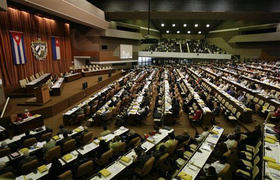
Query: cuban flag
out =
(18, 50)
(55, 48)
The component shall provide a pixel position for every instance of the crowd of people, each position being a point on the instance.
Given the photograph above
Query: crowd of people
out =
(186, 46)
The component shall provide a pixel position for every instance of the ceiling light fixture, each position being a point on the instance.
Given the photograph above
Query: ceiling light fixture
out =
(189, 32)
(196, 25)
(178, 32)
(167, 32)
(208, 25)
(173, 25)
(199, 32)
(185, 25)
(162, 25)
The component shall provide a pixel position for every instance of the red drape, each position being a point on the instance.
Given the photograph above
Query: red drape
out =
(33, 27)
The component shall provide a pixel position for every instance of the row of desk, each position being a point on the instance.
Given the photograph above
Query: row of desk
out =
(31, 122)
(245, 113)
(167, 101)
(199, 102)
(262, 83)
(272, 151)
(254, 93)
(135, 104)
(17, 138)
(118, 166)
(35, 148)
(83, 151)
(97, 72)
(57, 87)
(194, 165)
(93, 98)
(38, 82)
(73, 77)
(105, 109)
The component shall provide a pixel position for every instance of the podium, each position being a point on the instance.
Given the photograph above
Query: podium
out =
(42, 94)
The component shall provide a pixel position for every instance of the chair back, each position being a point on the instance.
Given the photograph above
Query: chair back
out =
(45, 136)
(148, 166)
(172, 148)
(80, 118)
(67, 175)
(85, 168)
(7, 175)
(256, 160)
(119, 148)
(5, 151)
(105, 157)
(135, 141)
(53, 153)
(87, 138)
(161, 160)
(69, 145)
(255, 172)
(29, 142)
(29, 166)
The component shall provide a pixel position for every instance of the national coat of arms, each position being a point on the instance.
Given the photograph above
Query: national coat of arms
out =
(39, 49)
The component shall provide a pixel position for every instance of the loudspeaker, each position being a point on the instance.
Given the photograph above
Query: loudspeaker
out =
(103, 47)
(85, 85)
(99, 78)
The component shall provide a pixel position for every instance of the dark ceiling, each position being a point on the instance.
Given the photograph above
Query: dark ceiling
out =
(189, 5)
(184, 26)
(190, 12)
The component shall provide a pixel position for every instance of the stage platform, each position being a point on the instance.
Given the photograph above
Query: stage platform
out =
(72, 93)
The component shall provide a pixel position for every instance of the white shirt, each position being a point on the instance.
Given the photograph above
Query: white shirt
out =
(230, 143)
(202, 135)
(218, 166)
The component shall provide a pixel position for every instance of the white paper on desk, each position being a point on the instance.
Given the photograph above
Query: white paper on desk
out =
(109, 137)
(212, 139)
(147, 145)
(273, 173)
(4, 159)
(75, 153)
(40, 144)
(206, 147)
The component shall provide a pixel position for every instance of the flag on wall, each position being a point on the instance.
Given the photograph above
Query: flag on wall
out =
(18, 50)
(55, 48)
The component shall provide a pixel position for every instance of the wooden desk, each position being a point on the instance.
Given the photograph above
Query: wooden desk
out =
(38, 82)
(118, 166)
(200, 157)
(207, 113)
(29, 123)
(246, 113)
(57, 87)
(97, 72)
(274, 153)
(73, 77)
